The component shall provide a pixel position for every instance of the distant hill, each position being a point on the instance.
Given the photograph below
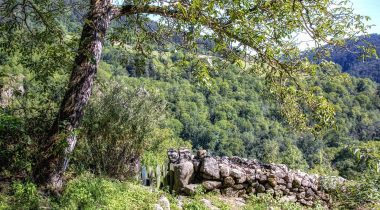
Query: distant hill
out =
(351, 61)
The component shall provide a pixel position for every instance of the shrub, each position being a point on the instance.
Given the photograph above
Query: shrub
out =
(90, 192)
(23, 196)
(363, 193)
(116, 129)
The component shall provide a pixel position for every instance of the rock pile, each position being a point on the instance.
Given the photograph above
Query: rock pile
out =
(239, 177)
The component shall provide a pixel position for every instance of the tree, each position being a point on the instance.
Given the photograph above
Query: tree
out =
(264, 28)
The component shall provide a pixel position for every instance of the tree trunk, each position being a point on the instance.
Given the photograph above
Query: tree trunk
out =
(56, 149)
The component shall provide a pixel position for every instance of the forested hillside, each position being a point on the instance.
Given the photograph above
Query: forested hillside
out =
(351, 59)
(156, 85)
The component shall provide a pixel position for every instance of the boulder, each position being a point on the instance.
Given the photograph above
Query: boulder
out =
(185, 155)
(208, 204)
(157, 207)
(210, 185)
(164, 203)
(173, 156)
(306, 182)
(289, 198)
(272, 181)
(239, 175)
(228, 182)
(224, 170)
(201, 154)
(238, 186)
(230, 192)
(251, 190)
(296, 182)
(183, 172)
(190, 189)
(210, 168)
(196, 164)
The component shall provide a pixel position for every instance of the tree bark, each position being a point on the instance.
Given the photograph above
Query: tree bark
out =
(56, 149)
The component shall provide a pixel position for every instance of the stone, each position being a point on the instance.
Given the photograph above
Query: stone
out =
(310, 193)
(240, 202)
(157, 207)
(196, 164)
(236, 173)
(230, 192)
(173, 156)
(306, 203)
(224, 170)
(180, 200)
(278, 193)
(281, 181)
(209, 168)
(296, 182)
(210, 185)
(251, 178)
(301, 195)
(306, 182)
(238, 186)
(262, 178)
(228, 182)
(164, 203)
(216, 191)
(184, 155)
(201, 153)
(260, 188)
(289, 198)
(236, 160)
(272, 181)
(239, 175)
(183, 172)
(251, 190)
(208, 204)
(241, 192)
(267, 186)
(289, 185)
(270, 191)
(288, 178)
(190, 189)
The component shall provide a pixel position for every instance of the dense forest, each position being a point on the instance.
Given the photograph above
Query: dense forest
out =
(148, 97)
(352, 61)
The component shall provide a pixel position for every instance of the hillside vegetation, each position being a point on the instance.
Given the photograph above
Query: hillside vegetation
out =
(148, 96)
(351, 59)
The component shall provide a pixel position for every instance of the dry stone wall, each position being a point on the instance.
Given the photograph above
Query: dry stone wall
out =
(239, 177)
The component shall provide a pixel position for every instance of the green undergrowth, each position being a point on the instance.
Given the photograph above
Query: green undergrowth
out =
(91, 192)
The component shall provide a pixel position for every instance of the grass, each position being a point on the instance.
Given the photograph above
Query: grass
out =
(90, 192)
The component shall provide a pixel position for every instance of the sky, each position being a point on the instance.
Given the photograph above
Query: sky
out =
(369, 8)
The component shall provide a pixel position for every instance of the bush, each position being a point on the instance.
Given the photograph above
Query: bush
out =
(15, 150)
(25, 195)
(360, 194)
(90, 192)
(116, 129)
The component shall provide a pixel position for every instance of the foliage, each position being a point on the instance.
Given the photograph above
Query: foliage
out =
(161, 140)
(117, 129)
(28, 107)
(363, 193)
(354, 160)
(90, 192)
(350, 57)
(83, 192)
